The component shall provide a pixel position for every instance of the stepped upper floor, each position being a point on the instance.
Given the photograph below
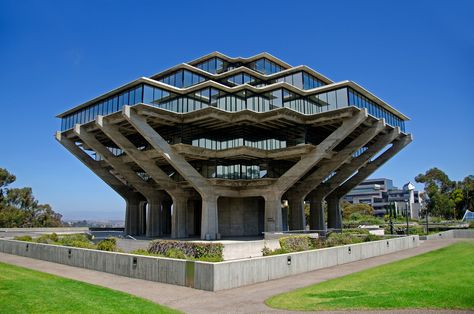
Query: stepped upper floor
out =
(259, 83)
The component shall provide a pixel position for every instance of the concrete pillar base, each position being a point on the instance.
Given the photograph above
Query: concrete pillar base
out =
(273, 213)
(178, 219)
(209, 222)
(131, 216)
(334, 212)
(153, 228)
(297, 218)
(316, 215)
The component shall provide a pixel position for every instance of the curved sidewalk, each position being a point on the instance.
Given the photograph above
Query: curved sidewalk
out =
(248, 299)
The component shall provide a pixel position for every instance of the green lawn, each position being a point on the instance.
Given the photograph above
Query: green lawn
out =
(27, 291)
(442, 279)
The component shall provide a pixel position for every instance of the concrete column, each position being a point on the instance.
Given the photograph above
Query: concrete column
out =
(131, 216)
(297, 218)
(284, 218)
(273, 213)
(190, 218)
(153, 227)
(209, 219)
(316, 214)
(334, 212)
(166, 217)
(142, 218)
(178, 219)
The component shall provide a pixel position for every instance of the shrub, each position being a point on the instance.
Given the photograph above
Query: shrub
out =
(336, 239)
(296, 243)
(175, 253)
(76, 240)
(266, 251)
(109, 244)
(363, 209)
(356, 231)
(192, 250)
(471, 224)
(24, 238)
(46, 238)
(144, 252)
(54, 237)
(371, 237)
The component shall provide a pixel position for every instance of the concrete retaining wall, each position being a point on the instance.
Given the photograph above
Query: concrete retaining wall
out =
(231, 274)
(203, 275)
(451, 234)
(164, 270)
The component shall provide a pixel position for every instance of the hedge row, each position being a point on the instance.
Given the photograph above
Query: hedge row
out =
(187, 250)
(74, 240)
(303, 242)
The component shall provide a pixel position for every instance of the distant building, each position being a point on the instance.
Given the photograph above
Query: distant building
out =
(468, 216)
(380, 193)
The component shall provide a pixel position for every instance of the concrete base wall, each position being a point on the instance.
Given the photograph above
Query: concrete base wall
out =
(164, 270)
(232, 274)
(204, 275)
(241, 216)
(450, 234)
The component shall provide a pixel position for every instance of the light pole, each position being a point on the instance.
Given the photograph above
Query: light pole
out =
(411, 199)
(406, 214)
(426, 217)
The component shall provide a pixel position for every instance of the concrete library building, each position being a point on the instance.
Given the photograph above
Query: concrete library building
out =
(213, 147)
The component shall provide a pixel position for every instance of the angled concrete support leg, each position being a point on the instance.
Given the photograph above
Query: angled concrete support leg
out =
(297, 218)
(273, 213)
(334, 213)
(153, 228)
(316, 214)
(209, 222)
(179, 217)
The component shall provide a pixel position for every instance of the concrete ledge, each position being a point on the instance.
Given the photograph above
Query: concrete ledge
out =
(55, 229)
(204, 275)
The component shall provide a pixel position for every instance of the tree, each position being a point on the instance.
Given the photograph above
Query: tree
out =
(446, 198)
(363, 209)
(19, 208)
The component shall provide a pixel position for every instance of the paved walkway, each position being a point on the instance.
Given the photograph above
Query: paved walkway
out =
(248, 299)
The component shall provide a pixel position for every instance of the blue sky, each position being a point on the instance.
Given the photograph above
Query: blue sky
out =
(416, 55)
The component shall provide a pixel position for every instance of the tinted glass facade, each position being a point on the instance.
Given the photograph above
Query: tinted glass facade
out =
(316, 103)
(182, 79)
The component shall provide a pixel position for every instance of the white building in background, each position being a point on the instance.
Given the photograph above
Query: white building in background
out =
(380, 193)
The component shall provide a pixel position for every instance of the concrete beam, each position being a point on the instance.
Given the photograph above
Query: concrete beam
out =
(330, 165)
(365, 171)
(309, 160)
(150, 193)
(131, 197)
(111, 180)
(161, 145)
(139, 157)
(349, 168)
